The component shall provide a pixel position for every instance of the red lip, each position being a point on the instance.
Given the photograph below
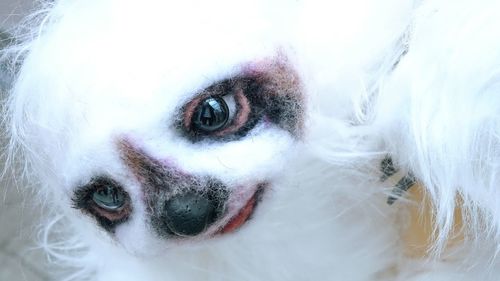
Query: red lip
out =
(243, 215)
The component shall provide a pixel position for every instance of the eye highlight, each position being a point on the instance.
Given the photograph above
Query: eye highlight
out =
(104, 199)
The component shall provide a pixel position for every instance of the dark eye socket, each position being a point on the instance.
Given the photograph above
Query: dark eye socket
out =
(225, 110)
(231, 108)
(104, 199)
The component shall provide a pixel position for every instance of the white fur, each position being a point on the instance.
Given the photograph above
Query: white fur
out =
(413, 79)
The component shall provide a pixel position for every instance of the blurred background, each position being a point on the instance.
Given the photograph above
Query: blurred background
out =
(11, 11)
(20, 258)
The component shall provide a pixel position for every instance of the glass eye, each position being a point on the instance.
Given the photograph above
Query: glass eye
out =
(211, 115)
(104, 199)
(227, 110)
(109, 197)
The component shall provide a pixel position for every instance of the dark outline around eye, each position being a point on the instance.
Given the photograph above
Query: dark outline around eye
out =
(108, 219)
(247, 115)
(269, 92)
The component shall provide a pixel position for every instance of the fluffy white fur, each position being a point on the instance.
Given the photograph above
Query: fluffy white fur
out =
(412, 79)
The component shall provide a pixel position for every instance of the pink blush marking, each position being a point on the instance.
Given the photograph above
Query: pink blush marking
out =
(189, 111)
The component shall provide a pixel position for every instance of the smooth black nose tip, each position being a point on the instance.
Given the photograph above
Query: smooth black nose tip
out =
(190, 213)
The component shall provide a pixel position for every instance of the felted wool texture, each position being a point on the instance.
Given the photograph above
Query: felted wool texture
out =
(414, 80)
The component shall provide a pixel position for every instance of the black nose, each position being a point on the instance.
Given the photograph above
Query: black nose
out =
(189, 214)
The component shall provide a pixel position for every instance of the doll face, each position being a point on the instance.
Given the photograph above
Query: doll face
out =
(161, 139)
(165, 123)
(201, 171)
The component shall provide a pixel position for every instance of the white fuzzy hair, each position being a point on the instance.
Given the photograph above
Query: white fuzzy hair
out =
(418, 84)
(448, 115)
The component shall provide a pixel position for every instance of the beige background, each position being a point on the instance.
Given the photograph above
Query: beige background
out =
(20, 260)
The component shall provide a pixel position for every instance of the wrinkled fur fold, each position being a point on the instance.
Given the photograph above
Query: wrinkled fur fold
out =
(415, 80)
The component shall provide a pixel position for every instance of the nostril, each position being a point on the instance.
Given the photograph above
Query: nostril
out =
(189, 214)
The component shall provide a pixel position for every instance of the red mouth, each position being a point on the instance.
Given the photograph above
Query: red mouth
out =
(243, 215)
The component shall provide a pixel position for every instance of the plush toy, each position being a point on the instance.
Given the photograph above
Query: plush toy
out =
(260, 140)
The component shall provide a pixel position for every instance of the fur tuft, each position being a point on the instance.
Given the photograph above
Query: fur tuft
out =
(415, 81)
